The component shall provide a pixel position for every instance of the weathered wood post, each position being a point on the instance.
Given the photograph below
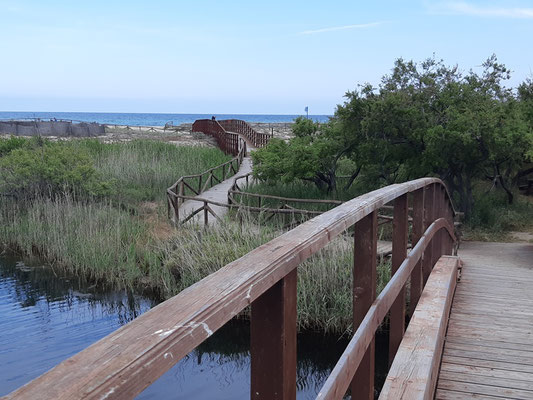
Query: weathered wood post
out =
(417, 232)
(206, 214)
(181, 191)
(435, 243)
(428, 220)
(364, 293)
(399, 253)
(273, 342)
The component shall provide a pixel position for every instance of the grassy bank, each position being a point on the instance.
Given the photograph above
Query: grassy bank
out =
(92, 208)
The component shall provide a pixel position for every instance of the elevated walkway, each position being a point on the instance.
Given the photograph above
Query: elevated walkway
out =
(472, 339)
(488, 351)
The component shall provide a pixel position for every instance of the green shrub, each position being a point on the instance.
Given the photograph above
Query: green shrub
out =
(8, 145)
(50, 168)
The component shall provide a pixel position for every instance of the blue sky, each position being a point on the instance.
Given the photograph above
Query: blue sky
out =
(270, 57)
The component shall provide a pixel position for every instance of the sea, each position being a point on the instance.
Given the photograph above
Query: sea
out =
(150, 119)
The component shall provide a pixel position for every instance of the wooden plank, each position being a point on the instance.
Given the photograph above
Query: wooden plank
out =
(485, 380)
(479, 389)
(478, 362)
(489, 355)
(399, 253)
(489, 343)
(413, 374)
(521, 378)
(273, 342)
(364, 293)
(497, 318)
(511, 330)
(443, 394)
(125, 362)
(485, 332)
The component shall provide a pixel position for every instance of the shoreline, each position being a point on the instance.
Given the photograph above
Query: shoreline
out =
(179, 135)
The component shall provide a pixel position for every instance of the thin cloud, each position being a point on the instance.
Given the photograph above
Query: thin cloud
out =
(482, 11)
(341, 28)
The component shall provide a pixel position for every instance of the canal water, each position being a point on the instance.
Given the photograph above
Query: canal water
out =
(46, 317)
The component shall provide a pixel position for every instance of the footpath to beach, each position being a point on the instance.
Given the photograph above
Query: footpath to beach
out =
(218, 194)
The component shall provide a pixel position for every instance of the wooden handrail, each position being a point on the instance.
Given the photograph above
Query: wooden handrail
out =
(128, 360)
(341, 376)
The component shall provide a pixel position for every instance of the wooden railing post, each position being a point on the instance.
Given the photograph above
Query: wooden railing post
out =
(364, 293)
(181, 192)
(417, 231)
(399, 253)
(428, 220)
(176, 206)
(273, 342)
(435, 243)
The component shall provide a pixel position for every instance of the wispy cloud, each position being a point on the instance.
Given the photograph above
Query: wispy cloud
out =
(342, 28)
(464, 8)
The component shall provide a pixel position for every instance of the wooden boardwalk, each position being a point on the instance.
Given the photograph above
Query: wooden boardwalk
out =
(488, 351)
(218, 193)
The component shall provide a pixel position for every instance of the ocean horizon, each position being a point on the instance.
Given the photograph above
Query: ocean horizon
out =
(150, 119)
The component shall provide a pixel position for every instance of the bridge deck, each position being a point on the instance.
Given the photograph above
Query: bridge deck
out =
(488, 352)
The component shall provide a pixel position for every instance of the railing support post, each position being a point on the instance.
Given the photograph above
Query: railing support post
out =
(435, 243)
(364, 293)
(417, 231)
(273, 342)
(399, 253)
(428, 220)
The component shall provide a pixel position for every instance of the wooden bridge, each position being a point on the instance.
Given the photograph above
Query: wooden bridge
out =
(482, 349)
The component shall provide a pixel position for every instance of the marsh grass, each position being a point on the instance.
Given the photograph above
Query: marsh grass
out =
(144, 169)
(95, 240)
(324, 280)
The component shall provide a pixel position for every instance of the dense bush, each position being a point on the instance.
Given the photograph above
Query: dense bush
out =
(34, 167)
(8, 145)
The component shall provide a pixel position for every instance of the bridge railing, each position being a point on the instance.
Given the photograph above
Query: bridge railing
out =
(228, 142)
(125, 362)
(242, 127)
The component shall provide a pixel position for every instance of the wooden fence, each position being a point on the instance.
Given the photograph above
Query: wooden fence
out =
(243, 128)
(125, 362)
(228, 142)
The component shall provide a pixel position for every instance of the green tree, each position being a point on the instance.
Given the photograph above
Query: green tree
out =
(313, 154)
(430, 119)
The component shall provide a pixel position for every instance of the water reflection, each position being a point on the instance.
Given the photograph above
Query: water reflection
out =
(48, 317)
